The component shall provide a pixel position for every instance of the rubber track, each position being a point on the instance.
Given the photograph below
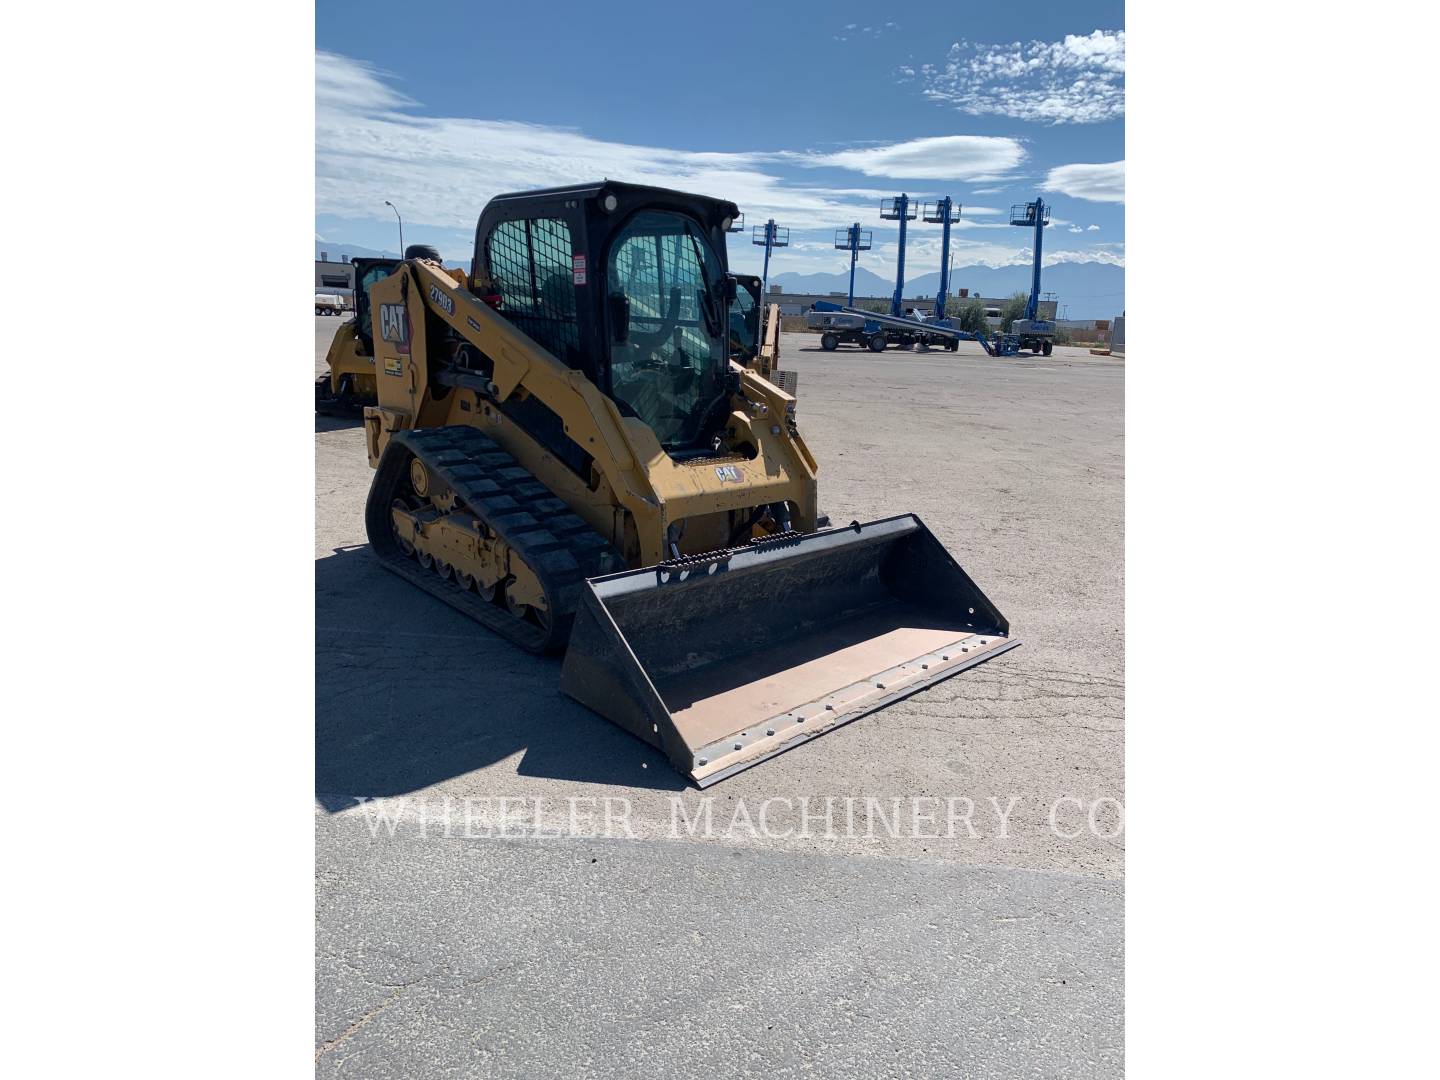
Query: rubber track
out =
(560, 547)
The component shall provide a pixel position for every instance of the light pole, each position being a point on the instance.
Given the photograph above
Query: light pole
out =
(399, 223)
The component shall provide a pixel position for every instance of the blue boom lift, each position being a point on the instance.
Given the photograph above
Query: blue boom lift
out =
(848, 325)
(854, 240)
(899, 209)
(945, 212)
(769, 236)
(840, 325)
(1033, 332)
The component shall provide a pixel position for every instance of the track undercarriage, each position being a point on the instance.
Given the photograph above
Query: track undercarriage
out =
(452, 512)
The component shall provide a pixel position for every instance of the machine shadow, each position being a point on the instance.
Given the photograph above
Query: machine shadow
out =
(409, 693)
(337, 423)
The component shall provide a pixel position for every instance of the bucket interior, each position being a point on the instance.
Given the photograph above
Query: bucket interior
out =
(708, 703)
(780, 644)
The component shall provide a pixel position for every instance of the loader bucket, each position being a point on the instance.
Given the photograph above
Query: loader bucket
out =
(724, 662)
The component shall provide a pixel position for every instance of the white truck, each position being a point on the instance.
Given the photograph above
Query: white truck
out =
(331, 303)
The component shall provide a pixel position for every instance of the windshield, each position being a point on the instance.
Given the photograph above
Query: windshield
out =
(668, 338)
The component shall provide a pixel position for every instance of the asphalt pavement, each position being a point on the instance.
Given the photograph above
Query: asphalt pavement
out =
(935, 889)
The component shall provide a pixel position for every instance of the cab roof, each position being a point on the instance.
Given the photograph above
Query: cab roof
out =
(628, 193)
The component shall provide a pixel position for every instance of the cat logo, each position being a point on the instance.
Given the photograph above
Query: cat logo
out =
(728, 474)
(395, 326)
(442, 299)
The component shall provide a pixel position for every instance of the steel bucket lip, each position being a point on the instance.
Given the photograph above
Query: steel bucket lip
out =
(802, 737)
(741, 559)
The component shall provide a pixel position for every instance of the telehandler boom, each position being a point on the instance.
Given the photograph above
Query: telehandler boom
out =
(573, 451)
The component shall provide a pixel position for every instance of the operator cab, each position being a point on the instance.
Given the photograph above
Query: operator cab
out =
(367, 272)
(630, 285)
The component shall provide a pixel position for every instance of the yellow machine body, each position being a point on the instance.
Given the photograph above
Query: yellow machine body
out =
(349, 384)
(701, 604)
(637, 490)
(351, 366)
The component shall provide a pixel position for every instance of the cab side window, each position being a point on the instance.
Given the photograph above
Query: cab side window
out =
(532, 270)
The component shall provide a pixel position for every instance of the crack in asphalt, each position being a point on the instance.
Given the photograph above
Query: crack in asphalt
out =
(325, 1047)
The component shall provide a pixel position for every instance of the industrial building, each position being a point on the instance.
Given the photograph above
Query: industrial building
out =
(334, 276)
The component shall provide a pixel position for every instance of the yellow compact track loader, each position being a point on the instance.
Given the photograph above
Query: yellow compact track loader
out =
(576, 452)
(349, 385)
(760, 352)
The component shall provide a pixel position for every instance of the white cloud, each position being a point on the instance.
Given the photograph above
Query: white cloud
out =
(442, 170)
(1096, 254)
(943, 157)
(1097, 183)
(354, 85)
(1092, 228)
(1080, 80)
(371, 146)
(850, 30)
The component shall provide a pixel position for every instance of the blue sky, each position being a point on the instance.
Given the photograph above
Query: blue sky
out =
(810, 113)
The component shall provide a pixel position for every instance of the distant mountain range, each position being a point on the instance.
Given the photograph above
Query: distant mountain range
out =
(1083, 290)
(346, 252)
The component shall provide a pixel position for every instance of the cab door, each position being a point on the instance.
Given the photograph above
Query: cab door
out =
(745, 319)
